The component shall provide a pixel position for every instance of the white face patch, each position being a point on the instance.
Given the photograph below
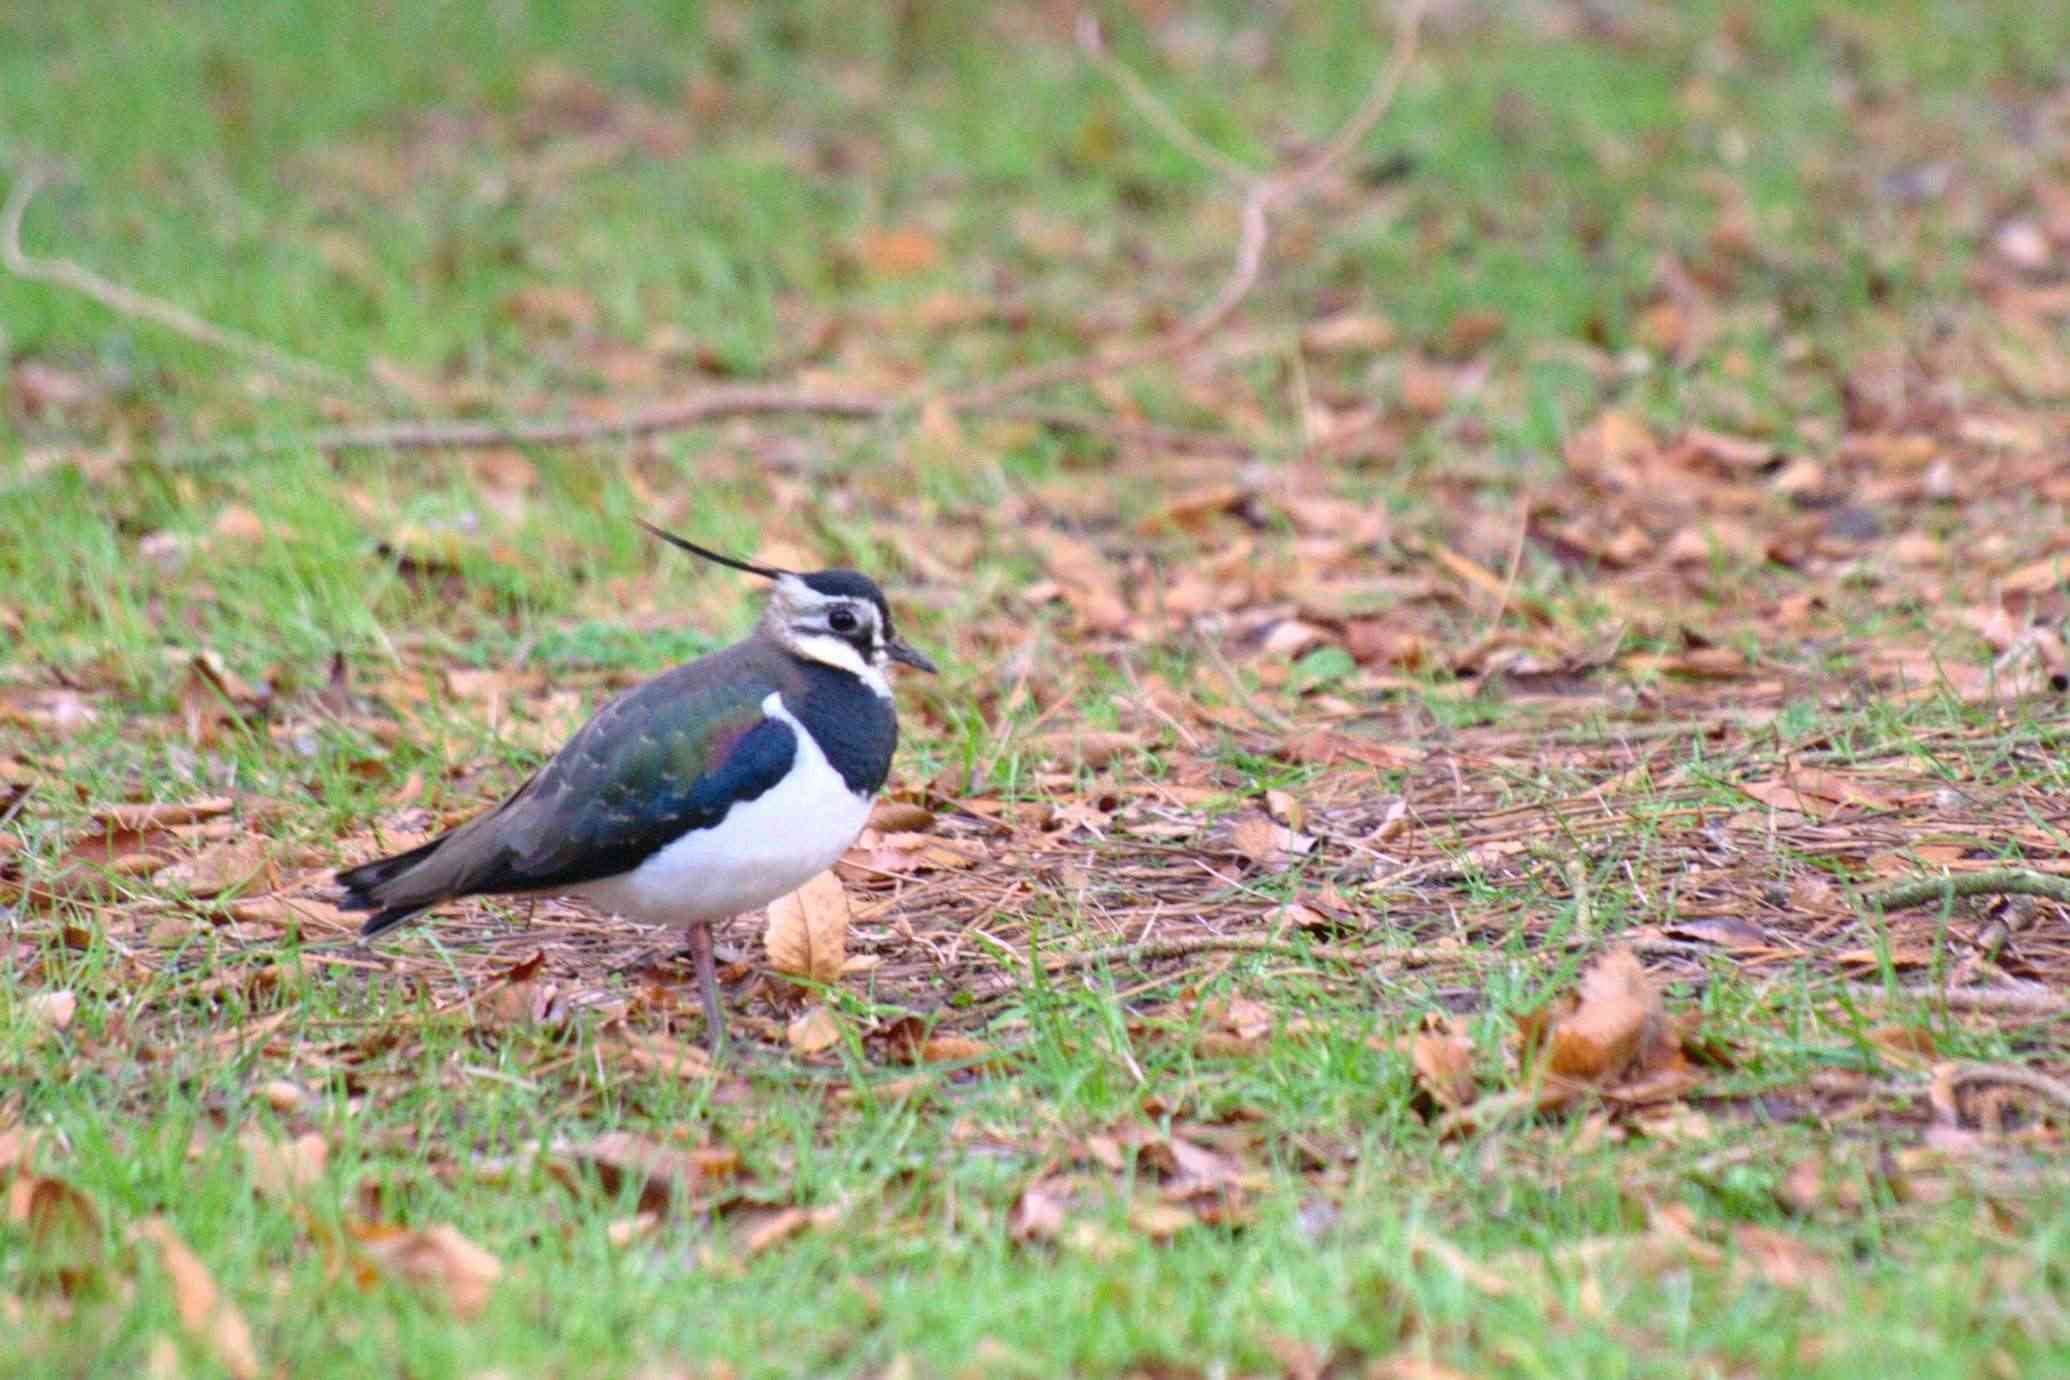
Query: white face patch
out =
(829, 650)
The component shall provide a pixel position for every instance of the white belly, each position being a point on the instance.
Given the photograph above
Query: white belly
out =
(763, 849)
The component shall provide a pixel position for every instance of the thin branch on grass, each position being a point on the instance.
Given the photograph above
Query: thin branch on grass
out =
(2009, 1001)
(127, 302)
(2013, 1076)
(1153, 949)
(711, 405)
(1136, 433)
(1093, 44)
(1263, 194)
(2005, 881)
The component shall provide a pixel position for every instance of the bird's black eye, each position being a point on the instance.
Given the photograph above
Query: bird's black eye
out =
(842, 620)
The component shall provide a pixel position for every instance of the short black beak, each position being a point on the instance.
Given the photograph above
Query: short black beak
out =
(904, 655)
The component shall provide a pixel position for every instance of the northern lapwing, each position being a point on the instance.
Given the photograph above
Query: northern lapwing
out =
(711, 790)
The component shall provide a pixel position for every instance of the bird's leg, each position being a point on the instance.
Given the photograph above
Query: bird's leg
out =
(708, 984)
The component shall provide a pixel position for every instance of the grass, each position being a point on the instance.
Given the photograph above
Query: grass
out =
(528, 209)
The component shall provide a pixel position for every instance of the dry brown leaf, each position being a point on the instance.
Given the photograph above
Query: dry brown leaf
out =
(1247, 1020)
(1191, 511)
(628, 1230)
(144, 818)
(1782, 1259)
(1346, 333)
(1092, 747)
(1729, 452)
(1287, 808)
(283, 1169)
(552, 306)
(667, 1174)
(890, 1090)
(1917, 548)
(1424, 1243)
(1677, 1124)
(1778, 794)
(896, 855)
(1289, 638)
(1160, 1220)
(438, 1259)
(283, 1095)
(807, 932)
(59, 712)
(1443, 1061)
(1328, 749)
(1803, 1188)
(1267, 842)
(16, 1147)
(956, 1049)
(1674, 1234)
(813, 1030)
(1039, 1213)
(238, 523)
(774, 1230)
(543, 724)
(1613, 451)
(900, 817)
(2036, 577)
(1617, 1021)
(1407, 1367)
(1424, 389)
(294, 914)
(899, 253)
(1373, 642)
(209, 1317)
(213, 696)
(1473, 328)
(53, 1010)
(519, 999)
(1908, 1047)
(660, 1054)
(1084, 579)
(1838, 787)
(216, 869)
(1726, 931)
(57, 1215)
(1699, 543)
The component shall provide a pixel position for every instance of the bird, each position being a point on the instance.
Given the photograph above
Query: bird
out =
(709, 791)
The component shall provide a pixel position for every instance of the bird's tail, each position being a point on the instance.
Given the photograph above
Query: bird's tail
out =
(365, 884)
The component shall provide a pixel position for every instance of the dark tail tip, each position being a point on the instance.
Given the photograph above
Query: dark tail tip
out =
(385, 920)
(364, 884)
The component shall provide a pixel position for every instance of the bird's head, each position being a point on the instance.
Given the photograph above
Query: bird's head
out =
(835, 617)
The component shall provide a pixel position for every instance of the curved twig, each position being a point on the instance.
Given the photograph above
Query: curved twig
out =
(718, 404)
(2004, 881)
(1094, 46)
(67, 273)
(1204, 944)
(2013, 1076)
(713, 405)
(1263, 193)
(2004, 1001)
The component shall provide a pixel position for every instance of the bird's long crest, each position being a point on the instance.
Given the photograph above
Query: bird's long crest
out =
(767, 572)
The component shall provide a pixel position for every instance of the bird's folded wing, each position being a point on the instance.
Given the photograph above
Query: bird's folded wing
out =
(600, 812)
(650, 767)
